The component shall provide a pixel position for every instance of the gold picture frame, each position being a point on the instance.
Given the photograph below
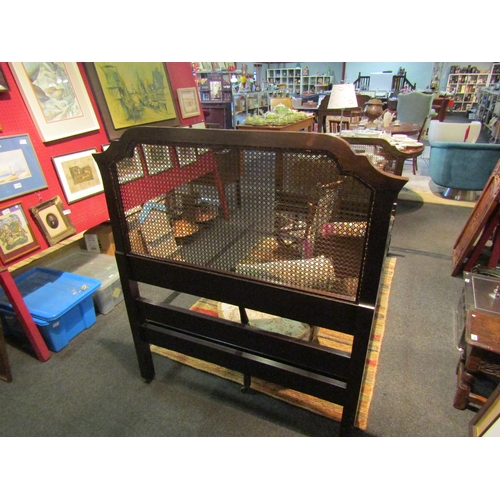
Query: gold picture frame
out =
(50, 218)
(188, 102)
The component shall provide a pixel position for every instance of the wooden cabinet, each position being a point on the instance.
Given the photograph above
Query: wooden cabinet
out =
(215, 87)
(216, 98)
(218, 114)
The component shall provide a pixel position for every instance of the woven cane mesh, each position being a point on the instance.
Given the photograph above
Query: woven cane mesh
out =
(380, 158)
(290, 217)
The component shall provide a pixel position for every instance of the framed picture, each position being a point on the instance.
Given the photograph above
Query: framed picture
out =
(52, 221)
(56, 98)
(487, 420)
(132, 93)
(3, 83)
(20, 171)
(16, 236)
(79, 175)
(188, 101)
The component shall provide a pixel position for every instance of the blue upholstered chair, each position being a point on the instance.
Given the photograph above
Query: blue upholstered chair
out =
(415, 107)
(462, 168)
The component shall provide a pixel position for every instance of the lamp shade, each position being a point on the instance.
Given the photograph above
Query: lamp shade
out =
(343, 96)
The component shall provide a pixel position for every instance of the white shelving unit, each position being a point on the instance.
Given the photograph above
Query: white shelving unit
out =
(466, 86)
(315, 84)
(291, 78)
(488, 111)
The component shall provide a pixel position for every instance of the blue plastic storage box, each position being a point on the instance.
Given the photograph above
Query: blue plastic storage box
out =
(60, 303)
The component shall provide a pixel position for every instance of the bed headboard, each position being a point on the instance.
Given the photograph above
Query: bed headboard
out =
(291, 224)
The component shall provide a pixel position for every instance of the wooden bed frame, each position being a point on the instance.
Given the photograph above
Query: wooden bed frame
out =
(308, 367)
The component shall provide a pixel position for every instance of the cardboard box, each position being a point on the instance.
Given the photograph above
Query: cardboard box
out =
(100, 239)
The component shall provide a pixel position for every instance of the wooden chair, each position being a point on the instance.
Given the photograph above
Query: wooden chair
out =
(440, 106)
(230, 172)
(300, 232)
(287, 101)
(399, 82)
(351, 116)
(362, 82)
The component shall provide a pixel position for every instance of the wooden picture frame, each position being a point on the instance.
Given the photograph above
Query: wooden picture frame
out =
(20, 170)
(486, 421)
(188, 102)
(78, 174)
(129, 94)
(16, 236)
(56, 97)
(54, 224)
(470, 241)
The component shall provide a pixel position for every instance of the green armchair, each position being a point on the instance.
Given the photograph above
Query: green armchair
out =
(462, 168)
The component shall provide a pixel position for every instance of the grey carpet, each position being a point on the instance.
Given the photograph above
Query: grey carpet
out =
(93, 387)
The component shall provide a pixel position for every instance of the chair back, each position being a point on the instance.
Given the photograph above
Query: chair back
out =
(287, 101)
(414, 107)
(362, 82)
(454, 132)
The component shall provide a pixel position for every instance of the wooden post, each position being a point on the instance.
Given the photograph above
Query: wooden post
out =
(23, 315)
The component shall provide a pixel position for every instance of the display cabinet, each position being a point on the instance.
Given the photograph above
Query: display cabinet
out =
(215, 87)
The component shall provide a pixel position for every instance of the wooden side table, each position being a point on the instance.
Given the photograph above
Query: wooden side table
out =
(480, 309)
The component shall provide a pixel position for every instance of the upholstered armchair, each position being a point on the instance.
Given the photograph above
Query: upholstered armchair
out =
(462, 168)
(454, 132)
(415, 107)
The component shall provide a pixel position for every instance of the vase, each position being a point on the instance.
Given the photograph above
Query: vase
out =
(373, 109)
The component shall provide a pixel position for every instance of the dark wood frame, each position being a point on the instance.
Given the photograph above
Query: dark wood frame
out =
(309, 368)
(55, 206)
(114, 133)
(483, 221)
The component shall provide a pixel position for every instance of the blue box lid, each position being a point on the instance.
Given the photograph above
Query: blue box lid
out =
(49, 293)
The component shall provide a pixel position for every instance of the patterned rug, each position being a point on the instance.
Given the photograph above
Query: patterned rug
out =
(326, 337)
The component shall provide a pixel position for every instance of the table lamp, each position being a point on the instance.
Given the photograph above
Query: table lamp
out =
(343, 96)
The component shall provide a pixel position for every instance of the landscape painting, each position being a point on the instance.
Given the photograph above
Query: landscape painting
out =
(136, 93)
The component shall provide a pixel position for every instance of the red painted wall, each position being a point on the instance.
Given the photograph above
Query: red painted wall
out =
(15, 119)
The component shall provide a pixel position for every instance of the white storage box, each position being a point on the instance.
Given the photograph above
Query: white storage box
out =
(95, 265)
